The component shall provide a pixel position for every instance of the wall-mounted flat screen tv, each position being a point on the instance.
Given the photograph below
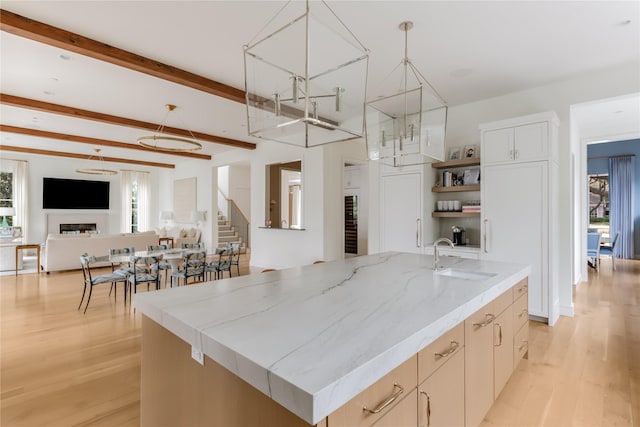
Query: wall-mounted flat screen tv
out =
(60, 193)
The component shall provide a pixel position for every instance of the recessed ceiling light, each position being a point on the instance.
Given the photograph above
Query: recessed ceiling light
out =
(54, 79)
(48, 92)
(64, 57)
(624, 23)
(618, 112)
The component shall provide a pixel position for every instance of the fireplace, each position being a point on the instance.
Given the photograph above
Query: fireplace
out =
(58, 222)
(76, 228)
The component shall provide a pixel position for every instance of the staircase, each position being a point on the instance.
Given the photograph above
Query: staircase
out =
(228, 234)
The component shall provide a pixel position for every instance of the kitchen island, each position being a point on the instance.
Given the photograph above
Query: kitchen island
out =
(306, 341)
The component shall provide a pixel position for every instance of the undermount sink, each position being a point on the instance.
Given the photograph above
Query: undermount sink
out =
(464, 275)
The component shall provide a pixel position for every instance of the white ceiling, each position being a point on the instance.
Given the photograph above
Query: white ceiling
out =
(468, 51)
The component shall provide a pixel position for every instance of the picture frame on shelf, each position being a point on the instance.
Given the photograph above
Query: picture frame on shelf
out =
(470, 151)
(454, 153)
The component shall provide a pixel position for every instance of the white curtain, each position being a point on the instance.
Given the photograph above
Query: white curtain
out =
(20, 197)
(126, 179)
(621, 204)
(144, 182)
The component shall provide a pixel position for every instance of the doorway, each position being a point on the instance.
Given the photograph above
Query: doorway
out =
(356, 209)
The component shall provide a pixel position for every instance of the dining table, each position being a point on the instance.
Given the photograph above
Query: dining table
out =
(172, 255)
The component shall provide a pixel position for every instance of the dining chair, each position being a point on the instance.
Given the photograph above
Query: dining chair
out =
(163, 265)
(147, 271)
(193, 246)
(217, 266)
(192, 266)
(593, 249)
(234, 256)
(124, 269)
(610, 249)
(91, 280)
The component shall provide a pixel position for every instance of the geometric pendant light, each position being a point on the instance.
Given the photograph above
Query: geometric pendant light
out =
(407, 127)
(305, 78)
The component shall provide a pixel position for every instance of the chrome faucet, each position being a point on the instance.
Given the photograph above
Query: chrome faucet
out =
(435, 250)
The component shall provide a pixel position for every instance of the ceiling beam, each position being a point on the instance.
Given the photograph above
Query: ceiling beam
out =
(94, 141)
(47, 107)
(58, 37)
(84, 156)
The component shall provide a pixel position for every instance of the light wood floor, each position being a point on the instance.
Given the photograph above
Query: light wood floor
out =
(62, 368)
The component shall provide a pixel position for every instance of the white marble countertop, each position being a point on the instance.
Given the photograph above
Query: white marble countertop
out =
(313, 337)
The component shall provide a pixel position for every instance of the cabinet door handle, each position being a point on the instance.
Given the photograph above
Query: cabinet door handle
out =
(521, 289)
(418, 239)
(428, 407)
(499, 334)
(522, 313)
(388, 401)
(486, 231)
(488, 318)
(452, 348)
(510, 154)
(524, 345)
(517, 154)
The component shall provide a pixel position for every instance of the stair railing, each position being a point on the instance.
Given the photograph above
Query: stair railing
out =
(236, 218)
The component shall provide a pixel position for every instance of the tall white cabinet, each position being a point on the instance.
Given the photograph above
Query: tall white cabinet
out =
(404, 226)
(519, 203)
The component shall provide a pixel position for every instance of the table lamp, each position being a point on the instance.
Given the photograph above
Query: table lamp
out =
(4, 213)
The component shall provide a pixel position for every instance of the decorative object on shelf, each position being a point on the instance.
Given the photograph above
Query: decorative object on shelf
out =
(298, 99)
(97, 171)
(160, 142)
(409, 126)
(454, 153)
(471, 176)
(4, 213)
(470, 151)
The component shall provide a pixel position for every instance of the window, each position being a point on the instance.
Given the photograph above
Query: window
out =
(134, 207)
(134, 187)
(599, 204)
(6, 193)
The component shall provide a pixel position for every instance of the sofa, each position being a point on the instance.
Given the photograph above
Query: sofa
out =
(62, 251)
(180, 235)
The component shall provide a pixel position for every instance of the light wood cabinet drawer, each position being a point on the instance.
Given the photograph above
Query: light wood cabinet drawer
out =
(521, 311)
(521, 288)
(404, 414)
(501, 303)
(520, 344)
(399, 383)
(438, 352)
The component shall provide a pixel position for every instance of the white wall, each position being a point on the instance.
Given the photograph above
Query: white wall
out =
(240, 187)
(557, 96)
(206, 197)
(51, 167)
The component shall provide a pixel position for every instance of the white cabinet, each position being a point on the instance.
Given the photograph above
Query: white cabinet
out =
(518, 143)
(401, 211)
(519, 213)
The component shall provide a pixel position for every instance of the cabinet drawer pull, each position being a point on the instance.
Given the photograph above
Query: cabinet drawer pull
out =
(452, 347)
(524, 345)
(522, 289)
(522, 313)
(428, 407)
(499, 334)
(387, 402)
(488, 319)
